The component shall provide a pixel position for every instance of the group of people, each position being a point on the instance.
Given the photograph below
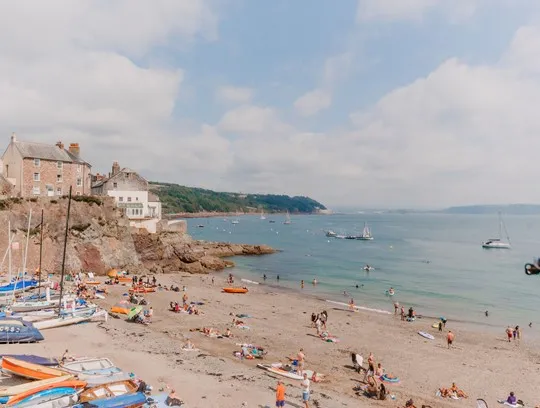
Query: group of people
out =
(280, 392)
(188, 308)
(452, 392)
(319, 321)
(514, 333)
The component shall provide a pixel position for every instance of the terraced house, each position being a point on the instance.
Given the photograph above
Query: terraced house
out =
(37, 169)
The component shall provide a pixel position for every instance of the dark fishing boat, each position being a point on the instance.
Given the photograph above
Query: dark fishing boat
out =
(533, 268)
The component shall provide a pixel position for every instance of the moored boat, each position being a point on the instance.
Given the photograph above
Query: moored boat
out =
(29, 370)
(533, 268)
(31, 358)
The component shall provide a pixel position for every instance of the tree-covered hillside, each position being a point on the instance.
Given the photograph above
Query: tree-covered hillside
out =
(178, 199)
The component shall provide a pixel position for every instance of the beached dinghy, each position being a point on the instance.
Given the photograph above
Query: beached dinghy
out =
(33, 306)
(39, 391)
(19, 389)
(131, 400)
(24, 369)
(95, 371)
(72, 317)
(108, 390)
(16, 331)
(31, 358)
(54, 398)
(19, 286)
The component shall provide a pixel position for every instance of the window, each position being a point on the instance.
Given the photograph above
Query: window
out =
(35, 191)
(79, 182)
(79, 168)
(37, 162)
(36, 177)
(129, 199)
(58, 178)
(115, 185)
(78, 193)
(136, 198)
(59, 165)
(121, 199)
(59, 191)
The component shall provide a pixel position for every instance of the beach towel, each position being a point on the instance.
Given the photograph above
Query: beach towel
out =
(518, 404)
(385, 378)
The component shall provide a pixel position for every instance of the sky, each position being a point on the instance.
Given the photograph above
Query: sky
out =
(368, 103)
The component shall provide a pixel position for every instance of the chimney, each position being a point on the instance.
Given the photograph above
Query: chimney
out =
(74, 149)
(13, 137)
(60, 145)
(115, 168)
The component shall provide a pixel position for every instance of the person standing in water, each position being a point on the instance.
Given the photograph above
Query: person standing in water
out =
(302, 284)
(277, 278)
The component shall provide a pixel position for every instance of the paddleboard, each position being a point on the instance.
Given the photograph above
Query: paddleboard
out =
(426, 335)
(249, 281)
(368, 309)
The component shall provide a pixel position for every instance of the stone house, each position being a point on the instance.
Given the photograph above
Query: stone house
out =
(130, 192)
(37, 169)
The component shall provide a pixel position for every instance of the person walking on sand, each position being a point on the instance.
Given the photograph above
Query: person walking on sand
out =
(396, 308)
(301, 357)
(324, 319)
(509, 333)
(305, 391)
(351, 304)
(280, 394)
(402, 313)
(450, 338)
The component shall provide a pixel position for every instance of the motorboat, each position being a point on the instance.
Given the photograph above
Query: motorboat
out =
(331, 234)
(18, 331)
(533, 268)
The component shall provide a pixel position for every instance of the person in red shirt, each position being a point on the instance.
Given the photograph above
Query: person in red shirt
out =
(280, 394)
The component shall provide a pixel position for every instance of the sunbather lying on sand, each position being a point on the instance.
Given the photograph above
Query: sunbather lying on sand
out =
(372, 389)
(452, 392)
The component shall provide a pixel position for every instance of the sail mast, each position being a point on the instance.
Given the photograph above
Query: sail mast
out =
(64, 255)
(40, 253)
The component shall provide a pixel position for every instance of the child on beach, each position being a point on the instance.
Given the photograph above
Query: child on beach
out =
(509, 333)
(280, 394)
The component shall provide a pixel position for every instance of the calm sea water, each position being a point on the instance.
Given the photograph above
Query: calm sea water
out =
(435, 262)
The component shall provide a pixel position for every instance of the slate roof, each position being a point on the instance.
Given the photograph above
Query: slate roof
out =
(46, 152)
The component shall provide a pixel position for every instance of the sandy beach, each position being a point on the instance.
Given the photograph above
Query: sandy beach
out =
(483, 365)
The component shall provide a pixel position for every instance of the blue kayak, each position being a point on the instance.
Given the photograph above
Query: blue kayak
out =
(122, 401)
(45, 395)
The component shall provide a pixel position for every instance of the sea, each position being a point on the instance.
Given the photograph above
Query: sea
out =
(434, 262)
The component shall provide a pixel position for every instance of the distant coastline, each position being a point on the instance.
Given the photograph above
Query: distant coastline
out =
(219, 214)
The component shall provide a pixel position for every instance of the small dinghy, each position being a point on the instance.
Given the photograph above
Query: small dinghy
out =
(54, 398)
(31, 358)
(19, 389)
(113, 389)
(29, 370)
(122, 401)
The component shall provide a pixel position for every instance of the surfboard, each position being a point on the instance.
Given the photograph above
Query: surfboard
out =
(426, 335)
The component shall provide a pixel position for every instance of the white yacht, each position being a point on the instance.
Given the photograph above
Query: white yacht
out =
(498, 243)
(262, 215)
(287, 219)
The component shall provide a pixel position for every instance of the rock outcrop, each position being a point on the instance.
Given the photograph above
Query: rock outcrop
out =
(100, 238)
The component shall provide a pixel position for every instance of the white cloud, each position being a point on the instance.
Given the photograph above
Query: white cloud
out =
(414, 9)
(313, 102)
(234, 94)
(251, 120)
(69, 72)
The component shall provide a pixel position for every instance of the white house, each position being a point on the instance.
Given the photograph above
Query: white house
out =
(130, 192)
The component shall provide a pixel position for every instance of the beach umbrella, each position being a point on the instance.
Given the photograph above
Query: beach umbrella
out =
(134, 311)
(112, 273)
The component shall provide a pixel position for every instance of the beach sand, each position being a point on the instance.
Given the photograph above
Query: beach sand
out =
(482, 364)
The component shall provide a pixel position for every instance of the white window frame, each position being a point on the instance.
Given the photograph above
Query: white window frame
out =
(59, 180)
(38, 178)
(59, 165)
(79, 168)
(35, 191)
(37, 162)
(79, 182)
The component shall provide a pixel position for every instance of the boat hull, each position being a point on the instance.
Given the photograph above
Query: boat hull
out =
(115, 389)
(18, 389)
(124, 401)
(29, 370)
(47, 389)
(235, 290)
(531, 269)
(17, 331)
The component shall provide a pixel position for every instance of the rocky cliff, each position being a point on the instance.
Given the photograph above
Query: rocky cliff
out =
(100, 238)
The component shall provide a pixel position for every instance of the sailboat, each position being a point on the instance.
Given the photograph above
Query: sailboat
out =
(498, 243)
(287, 219)
(262, 215)
(366, 234)
(236, 221)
